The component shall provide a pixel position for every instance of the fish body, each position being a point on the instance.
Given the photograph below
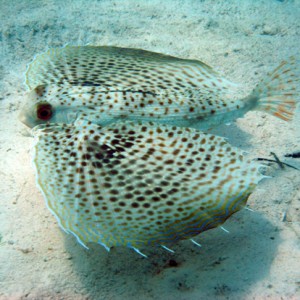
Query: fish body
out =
(109, 84)
(115, 157)
(106, 107)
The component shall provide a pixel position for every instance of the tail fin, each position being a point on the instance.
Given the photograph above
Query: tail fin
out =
(279, 92)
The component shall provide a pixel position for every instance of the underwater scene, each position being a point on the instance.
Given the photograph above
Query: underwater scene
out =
(150, 149)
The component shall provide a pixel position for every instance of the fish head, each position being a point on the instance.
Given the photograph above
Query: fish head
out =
(44, 105)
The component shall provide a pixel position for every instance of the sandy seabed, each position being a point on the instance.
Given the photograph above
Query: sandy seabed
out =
(258, 259)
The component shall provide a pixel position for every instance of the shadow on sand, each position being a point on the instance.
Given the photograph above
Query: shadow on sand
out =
(226, 266)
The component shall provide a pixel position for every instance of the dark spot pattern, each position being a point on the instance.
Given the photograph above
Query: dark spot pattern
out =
(119, 83)
(177, 182)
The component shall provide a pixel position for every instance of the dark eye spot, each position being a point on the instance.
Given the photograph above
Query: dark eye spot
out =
(44, 111)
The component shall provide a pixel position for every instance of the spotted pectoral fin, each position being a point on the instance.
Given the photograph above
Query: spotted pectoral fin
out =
(70, 180)
(136, 184)
(121, 69)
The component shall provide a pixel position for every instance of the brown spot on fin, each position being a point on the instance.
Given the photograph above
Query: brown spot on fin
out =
(121, 69)
(136, 184)
(279, 93)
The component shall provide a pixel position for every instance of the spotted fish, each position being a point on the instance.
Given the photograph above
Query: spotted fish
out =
(109, 84)
(139, 183)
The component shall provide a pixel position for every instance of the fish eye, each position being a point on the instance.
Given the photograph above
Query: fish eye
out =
(44, 111)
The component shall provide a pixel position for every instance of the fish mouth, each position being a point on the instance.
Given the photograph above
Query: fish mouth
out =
(23, 118)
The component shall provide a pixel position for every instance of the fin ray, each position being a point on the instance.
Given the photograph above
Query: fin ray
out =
(279, 93)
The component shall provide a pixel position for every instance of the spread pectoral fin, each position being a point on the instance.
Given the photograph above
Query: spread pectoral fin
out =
(140, 183)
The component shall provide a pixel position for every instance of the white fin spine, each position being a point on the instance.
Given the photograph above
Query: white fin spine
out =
(197, 244)
(249, 209)
(139, 252)
(105, 246)
(224, 229)
(168, 249)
